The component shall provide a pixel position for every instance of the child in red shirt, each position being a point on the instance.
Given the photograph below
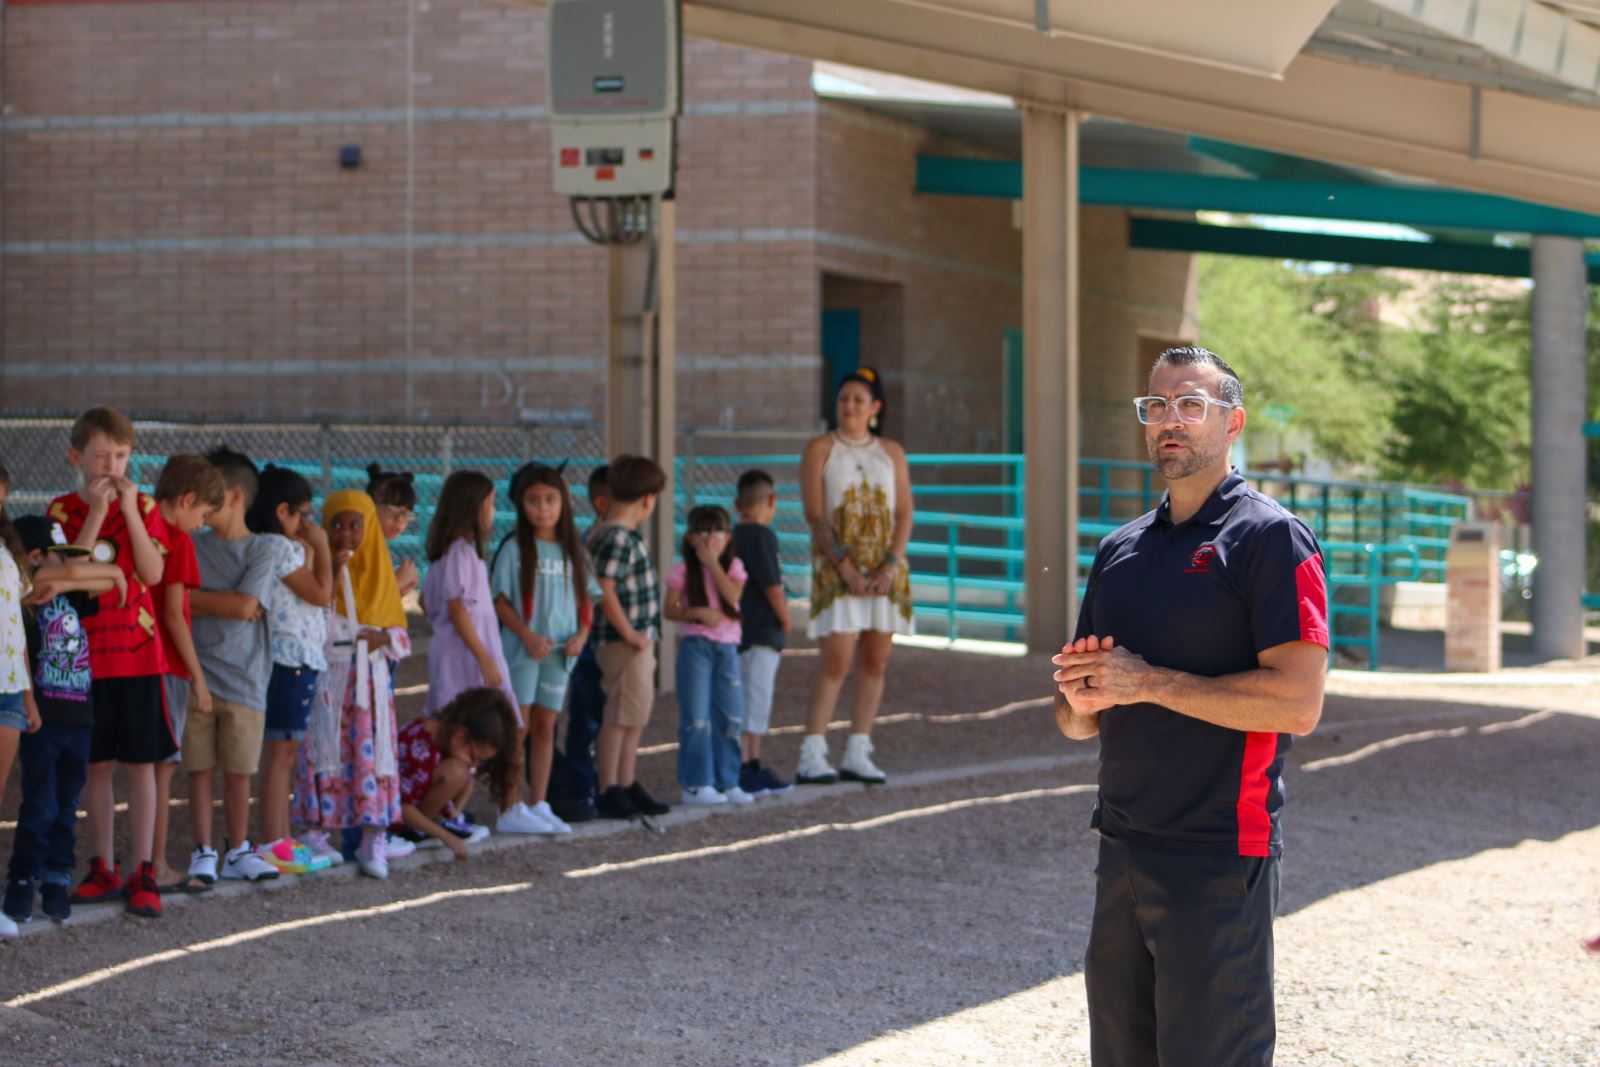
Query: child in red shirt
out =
(120, 525)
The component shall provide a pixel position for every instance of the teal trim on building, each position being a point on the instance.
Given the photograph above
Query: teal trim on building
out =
(1168, 191)
(1170, 235)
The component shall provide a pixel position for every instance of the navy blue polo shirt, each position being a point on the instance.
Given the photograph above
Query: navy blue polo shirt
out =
(1205, 597)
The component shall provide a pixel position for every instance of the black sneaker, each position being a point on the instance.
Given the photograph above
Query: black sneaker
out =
(18, 903)
(56, 901)
(772, 783)
(614, 803)
(573, 811)
(750, 778)
(647, 804)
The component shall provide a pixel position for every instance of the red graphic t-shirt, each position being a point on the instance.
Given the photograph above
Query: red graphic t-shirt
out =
(182, 569)
(124, 639)
(417, 757)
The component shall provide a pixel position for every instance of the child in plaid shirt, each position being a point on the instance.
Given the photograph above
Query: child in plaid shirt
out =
(625, 634)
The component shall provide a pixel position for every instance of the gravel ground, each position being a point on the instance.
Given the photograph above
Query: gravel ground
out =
(1444, 856)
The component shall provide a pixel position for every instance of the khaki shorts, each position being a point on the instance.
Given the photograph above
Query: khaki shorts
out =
(628, 678)
(230, 737)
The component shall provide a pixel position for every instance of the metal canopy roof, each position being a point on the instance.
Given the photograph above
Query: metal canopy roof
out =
(1478, 94)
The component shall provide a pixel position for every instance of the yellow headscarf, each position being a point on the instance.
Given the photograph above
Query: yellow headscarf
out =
(371, 571)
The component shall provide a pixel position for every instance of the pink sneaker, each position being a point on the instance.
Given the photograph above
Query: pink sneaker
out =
(322, 851)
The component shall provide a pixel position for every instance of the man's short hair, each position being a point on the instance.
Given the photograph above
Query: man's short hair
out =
(108, 422)
(598, 483)
(755, 487)
(633, 478)
(187, 472)
(1228, 383)
(238, 472)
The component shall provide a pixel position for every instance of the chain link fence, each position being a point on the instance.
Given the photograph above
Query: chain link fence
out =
(331, 455)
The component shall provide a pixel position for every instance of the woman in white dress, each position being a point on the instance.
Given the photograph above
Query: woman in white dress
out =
(856, 487)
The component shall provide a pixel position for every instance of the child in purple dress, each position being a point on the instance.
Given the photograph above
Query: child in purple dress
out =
(465, 652)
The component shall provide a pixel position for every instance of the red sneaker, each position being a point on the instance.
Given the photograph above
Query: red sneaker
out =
(142, 893)
(99, 885)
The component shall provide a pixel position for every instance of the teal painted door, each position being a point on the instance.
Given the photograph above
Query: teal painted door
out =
(841, 353)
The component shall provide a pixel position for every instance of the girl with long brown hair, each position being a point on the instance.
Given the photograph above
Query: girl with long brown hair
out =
(544, 595)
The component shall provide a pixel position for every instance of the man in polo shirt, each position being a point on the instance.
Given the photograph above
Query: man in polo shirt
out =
(1201, 647)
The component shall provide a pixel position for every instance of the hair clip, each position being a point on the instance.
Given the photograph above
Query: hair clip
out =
(868, 373)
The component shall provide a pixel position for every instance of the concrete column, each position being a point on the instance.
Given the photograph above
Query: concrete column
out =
(1560, 305)
(1050, 373)
(641, 372)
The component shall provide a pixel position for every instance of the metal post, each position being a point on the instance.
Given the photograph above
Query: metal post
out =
(1560, 306)
(447, 452)
(325, 454)
(1050, 354)
(950, 568)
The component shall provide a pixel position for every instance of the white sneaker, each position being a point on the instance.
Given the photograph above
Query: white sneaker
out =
(814, 768)
(321, 848)
(857, 765)
(702, 796)
(203, 864)
(398, 847)
(736, 795)
(245, 863)
(8, 925)
(556, 823)
(521, 819)
(373, 855)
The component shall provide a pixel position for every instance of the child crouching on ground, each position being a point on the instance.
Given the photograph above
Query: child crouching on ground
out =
(703, 592)
(475, 734)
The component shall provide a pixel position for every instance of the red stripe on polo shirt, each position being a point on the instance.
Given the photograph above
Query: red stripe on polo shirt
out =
(1255, 823)
(1311, 591)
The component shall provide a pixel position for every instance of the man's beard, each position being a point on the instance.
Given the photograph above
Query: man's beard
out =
(1183, 464)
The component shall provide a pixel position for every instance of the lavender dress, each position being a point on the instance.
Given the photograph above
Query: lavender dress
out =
(461, 575)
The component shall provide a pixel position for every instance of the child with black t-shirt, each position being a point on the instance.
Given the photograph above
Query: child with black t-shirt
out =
(54, 758)
(764, 609)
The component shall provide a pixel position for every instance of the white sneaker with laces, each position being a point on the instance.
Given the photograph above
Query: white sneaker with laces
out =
(521, 819)
(703, 796)
(814, 768)
(543, 811)
(246, 864)
(398, 847)
(857, 765)
(373, 856)
(203, 864)
(8, 925)
(736, 795)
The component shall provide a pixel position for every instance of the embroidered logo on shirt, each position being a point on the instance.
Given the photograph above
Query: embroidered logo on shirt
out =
(1200, 562)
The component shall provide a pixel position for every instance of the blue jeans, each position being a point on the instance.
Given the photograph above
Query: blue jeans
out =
(586, 705)
(710, 713)
(55, 762)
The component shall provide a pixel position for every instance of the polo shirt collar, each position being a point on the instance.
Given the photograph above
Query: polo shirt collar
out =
(1217, 506)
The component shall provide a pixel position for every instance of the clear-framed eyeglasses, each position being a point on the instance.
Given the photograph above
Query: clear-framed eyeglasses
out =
(1191, 409)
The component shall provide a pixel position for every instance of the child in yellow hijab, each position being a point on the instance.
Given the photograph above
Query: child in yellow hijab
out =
(348, 775)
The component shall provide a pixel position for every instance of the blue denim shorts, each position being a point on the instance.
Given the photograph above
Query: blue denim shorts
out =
(290, 694)
(13, 713)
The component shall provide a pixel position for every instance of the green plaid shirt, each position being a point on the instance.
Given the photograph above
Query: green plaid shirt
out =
(621, 555)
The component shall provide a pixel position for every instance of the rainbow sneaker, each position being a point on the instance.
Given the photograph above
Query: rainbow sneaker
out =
(291, 857)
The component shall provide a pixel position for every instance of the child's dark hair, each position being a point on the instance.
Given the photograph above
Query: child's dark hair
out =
(456, 513)
(631, 478)
(707, 518)
(237, 471)
(754, 488)
(187, 473)
(394, 488)
(526, 478)
(487, 718)
(279, 485)
(8, 533)
(868, 377)
(599, 485)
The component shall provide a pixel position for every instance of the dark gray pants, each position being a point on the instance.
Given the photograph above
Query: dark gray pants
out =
(1179, 967)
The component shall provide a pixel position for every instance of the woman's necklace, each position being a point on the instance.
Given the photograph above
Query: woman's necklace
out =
(860, 442)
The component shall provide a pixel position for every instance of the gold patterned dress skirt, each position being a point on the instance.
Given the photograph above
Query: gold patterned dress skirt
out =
(858, 493)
